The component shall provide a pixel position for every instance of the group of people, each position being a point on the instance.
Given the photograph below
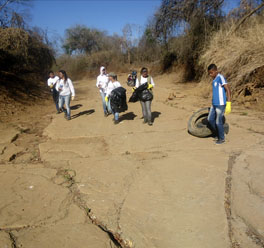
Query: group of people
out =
(63, 92)
(108, 82)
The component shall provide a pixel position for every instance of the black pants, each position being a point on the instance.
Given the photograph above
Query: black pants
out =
(55, 95)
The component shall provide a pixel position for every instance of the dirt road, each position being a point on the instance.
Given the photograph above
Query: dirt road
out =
(96, 184)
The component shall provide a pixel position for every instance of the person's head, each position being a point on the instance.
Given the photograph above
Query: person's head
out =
(63, 75)
(112, 76)
(144, 72)
(212, 70)
(51, 74)
(102, 70)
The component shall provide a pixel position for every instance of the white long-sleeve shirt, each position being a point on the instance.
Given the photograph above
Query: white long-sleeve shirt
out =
(144, 80)
(52, 81)
(102, 80)
(111, 86)
(65, 88)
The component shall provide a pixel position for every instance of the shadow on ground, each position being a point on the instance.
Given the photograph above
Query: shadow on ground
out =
(77, 106)
(128, 116)
(86, 112)
(155, 115)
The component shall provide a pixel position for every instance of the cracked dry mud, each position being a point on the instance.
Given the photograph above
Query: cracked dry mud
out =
(90, 183)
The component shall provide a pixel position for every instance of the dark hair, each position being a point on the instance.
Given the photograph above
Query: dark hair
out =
(143, 69)
(64, 74)
(212, 67)
(51, 72)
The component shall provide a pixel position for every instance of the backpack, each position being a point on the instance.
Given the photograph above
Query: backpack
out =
(131, 81)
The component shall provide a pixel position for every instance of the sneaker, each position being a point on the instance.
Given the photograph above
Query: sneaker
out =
(116, 122)
(68, 118)
(144, 122)
(150, 123)
(105, 114)
(219, 142)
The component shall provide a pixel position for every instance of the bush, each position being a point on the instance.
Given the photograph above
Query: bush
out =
(21, 52)
(80, 66)
(239, 56)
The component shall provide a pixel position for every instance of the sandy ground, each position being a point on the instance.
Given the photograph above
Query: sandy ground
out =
(90, 183)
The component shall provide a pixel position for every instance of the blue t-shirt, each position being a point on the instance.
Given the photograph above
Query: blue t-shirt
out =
(219, 94)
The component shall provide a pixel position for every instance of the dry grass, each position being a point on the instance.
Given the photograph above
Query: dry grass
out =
(81, 66)
(240, 57)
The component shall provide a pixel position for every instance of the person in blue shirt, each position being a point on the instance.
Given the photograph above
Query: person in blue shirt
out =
(221, 103)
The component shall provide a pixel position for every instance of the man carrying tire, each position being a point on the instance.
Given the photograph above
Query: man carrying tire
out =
(221, 103)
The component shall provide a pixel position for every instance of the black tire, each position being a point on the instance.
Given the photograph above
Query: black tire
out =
(198, 124)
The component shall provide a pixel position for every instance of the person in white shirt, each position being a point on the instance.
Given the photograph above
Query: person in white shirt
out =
(112, 84)
(101, 83)
(146, 105)
(52, 84)
(67, 93)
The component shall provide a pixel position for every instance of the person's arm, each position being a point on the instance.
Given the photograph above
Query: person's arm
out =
(71, 87)
(57, 85)
(137, 83)
(228, 97)
(152, 81)
(98, 82)
(228, 92)
(108, 90)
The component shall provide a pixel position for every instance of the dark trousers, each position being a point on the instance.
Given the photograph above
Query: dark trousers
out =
(55, 95)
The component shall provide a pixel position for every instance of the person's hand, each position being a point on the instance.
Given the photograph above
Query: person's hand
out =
(133, 89)
(106, 99)
(72, 98)
(228, 108)
(150, 86)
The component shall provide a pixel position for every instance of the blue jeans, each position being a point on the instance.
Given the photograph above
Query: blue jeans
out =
(103, 100)
(215, 119)
(66, 100)
(116, 114)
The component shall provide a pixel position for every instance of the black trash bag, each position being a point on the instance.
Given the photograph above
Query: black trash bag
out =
(134, 97)
(146, 95)
(141, 87)
(118, 100)
(141, 93)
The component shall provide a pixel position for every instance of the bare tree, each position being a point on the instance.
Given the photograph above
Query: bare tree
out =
(9, 17)
(127, 40)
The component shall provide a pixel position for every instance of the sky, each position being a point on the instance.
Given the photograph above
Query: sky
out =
(55, 16)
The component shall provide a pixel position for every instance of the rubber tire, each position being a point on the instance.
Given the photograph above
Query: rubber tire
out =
(198, 124)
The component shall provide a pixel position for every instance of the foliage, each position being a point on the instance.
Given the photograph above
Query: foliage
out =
(81, 39)
(239, 56)
(184, 27)
(9, 17)
(22, 52)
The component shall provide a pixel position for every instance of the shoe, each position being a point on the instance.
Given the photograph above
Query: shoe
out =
(68, 118)
(144, 122)
(150, 123)
(116, 122)
(105, 114)
(219, 142)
